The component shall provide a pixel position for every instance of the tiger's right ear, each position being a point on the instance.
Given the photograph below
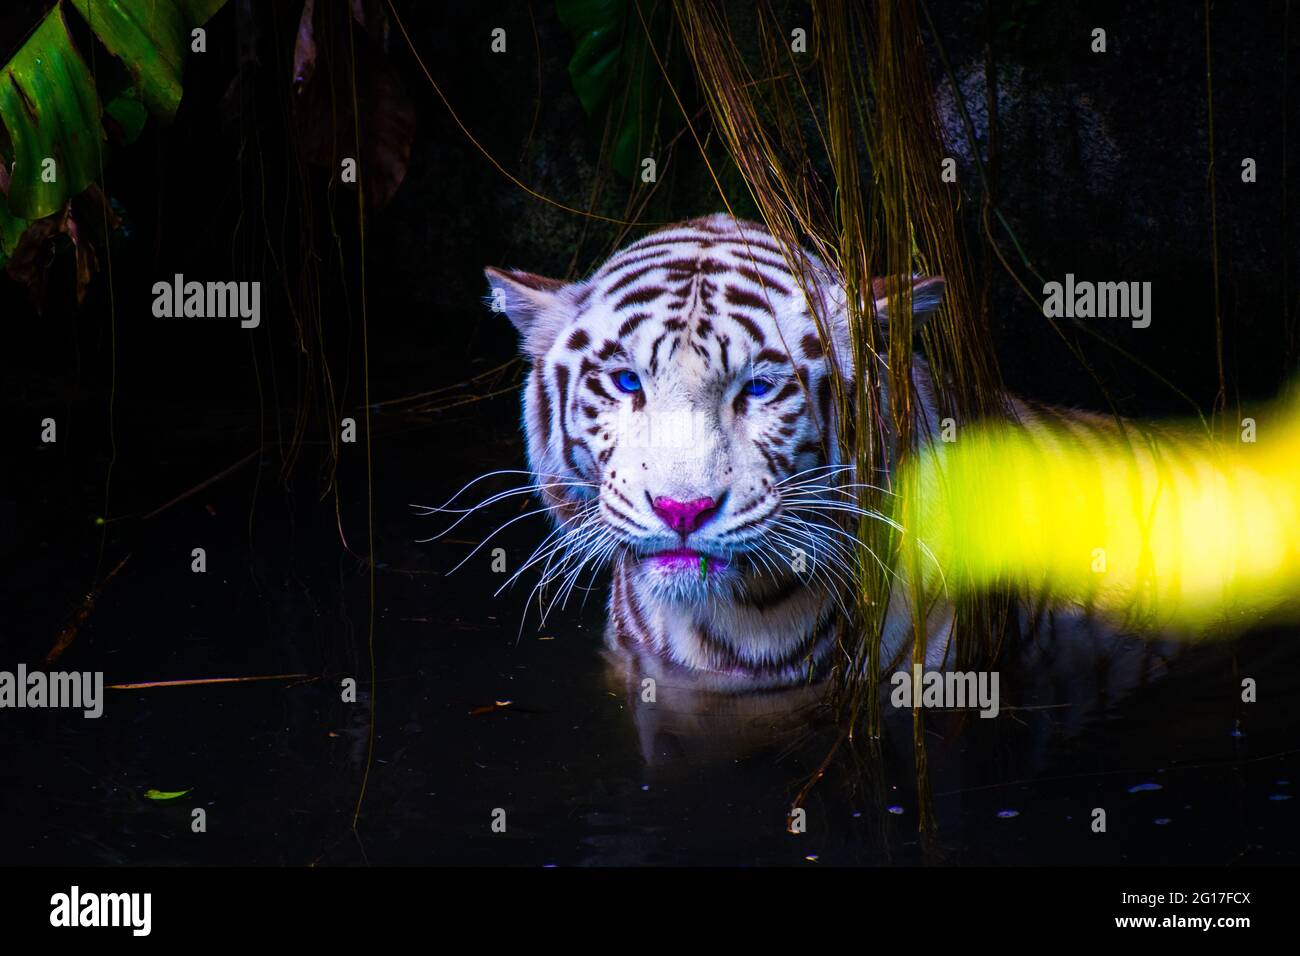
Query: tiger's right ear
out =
(535, 305)
(927, 295)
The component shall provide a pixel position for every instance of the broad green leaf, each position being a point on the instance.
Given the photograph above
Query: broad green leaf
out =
(166, 794)
(614, 68)
(51, 110)
(597, 27)
(152, 38)
(49, 106)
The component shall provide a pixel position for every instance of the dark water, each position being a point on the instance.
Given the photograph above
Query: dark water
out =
(1185, 771)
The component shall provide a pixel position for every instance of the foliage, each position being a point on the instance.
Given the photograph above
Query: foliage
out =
(616, 67)
(50, 104)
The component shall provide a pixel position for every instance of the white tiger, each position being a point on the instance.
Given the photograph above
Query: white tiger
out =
(680, 425)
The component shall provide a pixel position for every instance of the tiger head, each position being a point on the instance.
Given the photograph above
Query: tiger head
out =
(679, 410)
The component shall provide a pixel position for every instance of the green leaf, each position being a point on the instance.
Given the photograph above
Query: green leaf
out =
(49, 106)
(597, 27)
(128, 110)
(51, 110)
(614, 68)
(11, 228)
(166, 794)
(152, 38)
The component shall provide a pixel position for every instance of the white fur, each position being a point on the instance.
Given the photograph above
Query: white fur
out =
(700, 626)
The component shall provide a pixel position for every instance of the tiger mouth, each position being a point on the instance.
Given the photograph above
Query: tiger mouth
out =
(688, 559)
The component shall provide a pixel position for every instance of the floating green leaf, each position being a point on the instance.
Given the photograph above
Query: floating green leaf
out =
(166, 794)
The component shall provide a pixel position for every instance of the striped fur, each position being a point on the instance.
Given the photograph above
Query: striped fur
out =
(699, 311)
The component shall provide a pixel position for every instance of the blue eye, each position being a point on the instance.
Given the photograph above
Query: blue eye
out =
(758, 387)
(626, 381)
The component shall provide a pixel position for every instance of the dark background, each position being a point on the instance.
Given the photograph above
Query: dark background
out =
(1100, 166)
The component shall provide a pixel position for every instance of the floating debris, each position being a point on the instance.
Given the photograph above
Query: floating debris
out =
(1144, 787)
(1279, 796)
(202, 484)
(198, 681)
(165, 794)
(1162, 821)
(1007, 814)
(68, 633)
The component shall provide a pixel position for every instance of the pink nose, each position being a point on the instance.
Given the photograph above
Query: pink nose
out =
(685, 516)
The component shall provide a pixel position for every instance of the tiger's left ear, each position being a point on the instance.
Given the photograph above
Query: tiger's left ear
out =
(927, 293)
(535, 305)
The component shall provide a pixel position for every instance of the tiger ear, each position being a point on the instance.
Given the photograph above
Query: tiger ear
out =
(927, 294)
(534, 304)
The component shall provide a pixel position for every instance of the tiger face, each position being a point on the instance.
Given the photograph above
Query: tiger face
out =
(679, 411)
